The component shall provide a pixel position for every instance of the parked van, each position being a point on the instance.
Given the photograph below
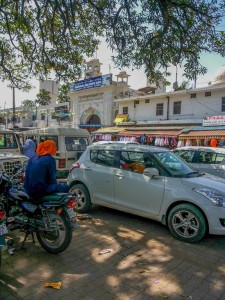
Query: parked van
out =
(70, 143)
(10, 151)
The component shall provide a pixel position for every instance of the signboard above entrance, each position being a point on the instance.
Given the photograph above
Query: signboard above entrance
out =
(91, 83)
(90, 125)
(214, 121)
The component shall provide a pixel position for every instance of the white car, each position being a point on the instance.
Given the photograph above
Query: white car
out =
(116, 142)
(153, 183)
(205, 159)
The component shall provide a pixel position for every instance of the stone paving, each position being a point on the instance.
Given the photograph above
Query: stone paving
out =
(146, 263)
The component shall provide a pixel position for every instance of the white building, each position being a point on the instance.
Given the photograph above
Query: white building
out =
(164, 117)
(92, 99)
(179, 107)
(186, 107)
(51, 86)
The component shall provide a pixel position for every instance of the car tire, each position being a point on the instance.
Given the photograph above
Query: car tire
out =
(187, 223)
(83, 197)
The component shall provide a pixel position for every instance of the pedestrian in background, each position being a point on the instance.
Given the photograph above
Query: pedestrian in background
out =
(29, 148)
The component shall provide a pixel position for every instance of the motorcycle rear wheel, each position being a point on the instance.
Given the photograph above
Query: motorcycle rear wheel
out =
(58, 240)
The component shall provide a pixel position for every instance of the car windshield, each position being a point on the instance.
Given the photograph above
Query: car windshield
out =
(174, 165)
(8, 141)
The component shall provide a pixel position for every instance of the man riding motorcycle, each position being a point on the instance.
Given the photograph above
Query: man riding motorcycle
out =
(40, 174)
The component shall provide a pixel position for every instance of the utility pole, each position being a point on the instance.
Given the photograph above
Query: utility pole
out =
(13, 104)
(5, 116)
(47, 117)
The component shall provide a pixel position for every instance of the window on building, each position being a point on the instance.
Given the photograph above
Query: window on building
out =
(54, 116)
(146, 100)
(207, 94)
(125, 110)
(193, 95)
(223, 104)
(177, 108)
(42, 116)
(136, 102)
(159, 109)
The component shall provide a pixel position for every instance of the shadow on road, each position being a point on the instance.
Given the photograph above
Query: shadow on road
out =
(146, 263)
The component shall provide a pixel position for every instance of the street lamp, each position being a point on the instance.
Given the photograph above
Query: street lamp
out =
(14, 104)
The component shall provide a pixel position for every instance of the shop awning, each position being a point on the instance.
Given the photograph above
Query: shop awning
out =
(198, 134)
(156, 133)
(110, 130)
(121, 118)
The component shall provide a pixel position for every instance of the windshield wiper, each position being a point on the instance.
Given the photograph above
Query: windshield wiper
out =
(192, 174)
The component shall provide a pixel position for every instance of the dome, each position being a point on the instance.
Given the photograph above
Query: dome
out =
(220, 76)
(123, 74)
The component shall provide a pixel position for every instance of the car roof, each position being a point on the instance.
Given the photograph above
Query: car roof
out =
(115, 142)
(101, 142)
(134, 147)
(200, 148)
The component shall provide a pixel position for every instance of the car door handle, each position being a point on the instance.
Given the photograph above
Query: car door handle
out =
(119, 175)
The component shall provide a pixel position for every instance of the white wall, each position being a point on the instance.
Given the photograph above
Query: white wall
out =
(191, 108)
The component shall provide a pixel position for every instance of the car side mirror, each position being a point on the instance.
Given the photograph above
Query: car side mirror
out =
(150, 172)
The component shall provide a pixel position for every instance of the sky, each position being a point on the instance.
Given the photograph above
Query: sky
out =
(137, 79)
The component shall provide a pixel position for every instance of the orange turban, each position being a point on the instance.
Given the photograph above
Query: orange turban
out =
(46, 147)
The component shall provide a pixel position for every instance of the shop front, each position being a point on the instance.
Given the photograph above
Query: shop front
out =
(148, 136)
(211, 136)
(153, 137)
(106, 134)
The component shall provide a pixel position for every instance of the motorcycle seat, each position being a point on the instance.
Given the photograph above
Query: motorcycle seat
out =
(55, 198)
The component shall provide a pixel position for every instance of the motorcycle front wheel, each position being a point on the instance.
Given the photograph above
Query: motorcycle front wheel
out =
(58, 239)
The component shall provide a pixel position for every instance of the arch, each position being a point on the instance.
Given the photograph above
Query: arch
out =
(90, 119)
(93, 119)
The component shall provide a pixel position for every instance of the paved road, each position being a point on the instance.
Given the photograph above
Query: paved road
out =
(146, 263)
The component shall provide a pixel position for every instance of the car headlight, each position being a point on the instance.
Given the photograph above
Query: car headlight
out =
(216, 198)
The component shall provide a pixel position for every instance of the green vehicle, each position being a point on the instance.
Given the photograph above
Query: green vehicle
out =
(10, 151)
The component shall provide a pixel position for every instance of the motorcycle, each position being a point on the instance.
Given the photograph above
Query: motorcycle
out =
(49, 217)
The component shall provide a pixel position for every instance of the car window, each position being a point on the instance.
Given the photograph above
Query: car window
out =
(187, 155)
(219, 158)
(8, 140)
(173, 164)
(205, 158)
(102, 157)
(49, 137)
(135, 161)
(76, 143)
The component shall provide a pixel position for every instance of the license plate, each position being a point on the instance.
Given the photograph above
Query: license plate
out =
(3, 229)
(71, 213)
